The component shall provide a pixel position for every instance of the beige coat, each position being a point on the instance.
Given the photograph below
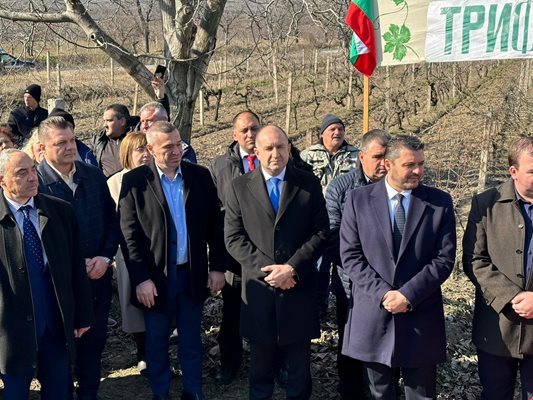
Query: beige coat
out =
(493, 259)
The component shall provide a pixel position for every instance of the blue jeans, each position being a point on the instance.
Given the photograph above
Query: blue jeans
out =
(188, 316)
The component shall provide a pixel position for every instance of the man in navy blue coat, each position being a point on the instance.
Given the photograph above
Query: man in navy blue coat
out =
(397, 243)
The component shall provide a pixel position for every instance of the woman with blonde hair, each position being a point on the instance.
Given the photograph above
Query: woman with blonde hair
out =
(132, 154)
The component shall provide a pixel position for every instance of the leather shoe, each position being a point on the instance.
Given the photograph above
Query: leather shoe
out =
(225, 376)
(190, 396)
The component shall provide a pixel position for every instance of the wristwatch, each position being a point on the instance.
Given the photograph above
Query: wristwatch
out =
(107, 260)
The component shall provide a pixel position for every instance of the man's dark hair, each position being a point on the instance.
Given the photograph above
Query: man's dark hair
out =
(236, 117)
(120, 110)
(378, 135)
(399, 142)
(522, 145)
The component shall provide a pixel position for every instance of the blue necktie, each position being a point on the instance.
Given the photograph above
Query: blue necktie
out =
(274, 194)
(399, 223)
(33, 249)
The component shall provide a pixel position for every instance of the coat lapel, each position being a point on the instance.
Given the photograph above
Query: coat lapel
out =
(381, 213)
(257, 187)
(417, 206)
(289, 191)
(187, 181)
(152, 176)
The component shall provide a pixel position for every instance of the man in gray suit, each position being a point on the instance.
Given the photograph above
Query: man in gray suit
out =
(276, 227)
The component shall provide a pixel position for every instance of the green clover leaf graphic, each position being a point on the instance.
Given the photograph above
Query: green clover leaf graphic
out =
(398, 2)
(395, 41)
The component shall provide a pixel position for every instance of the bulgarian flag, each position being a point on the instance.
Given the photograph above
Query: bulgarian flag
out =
(363, 48)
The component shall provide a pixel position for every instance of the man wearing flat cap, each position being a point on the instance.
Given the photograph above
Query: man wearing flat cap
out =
(24, 118)
(331, 157)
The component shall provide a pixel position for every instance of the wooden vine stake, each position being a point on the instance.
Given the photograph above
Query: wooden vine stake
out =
(275, 77)
(201, 95)
(289, 101)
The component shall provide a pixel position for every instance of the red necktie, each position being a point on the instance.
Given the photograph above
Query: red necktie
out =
(251, 161)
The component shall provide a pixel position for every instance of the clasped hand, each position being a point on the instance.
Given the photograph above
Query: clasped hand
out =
(281, 276)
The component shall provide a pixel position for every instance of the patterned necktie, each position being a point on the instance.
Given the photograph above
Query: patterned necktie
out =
(399, 222)
(274, 194)
(251, 162)
(33, 249)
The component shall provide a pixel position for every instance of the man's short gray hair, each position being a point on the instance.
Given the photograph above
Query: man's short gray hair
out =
(399, 142)
(157, 128)
(52, 123)
(158, 109)
(5, 156)
(375, 135)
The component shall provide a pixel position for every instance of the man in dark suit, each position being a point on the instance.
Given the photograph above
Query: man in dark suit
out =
(397, 243)
(238, 160)
(169, 214)
(276, 227)
(85, 187)
(370, 168)
(497, 247)
(44, 292)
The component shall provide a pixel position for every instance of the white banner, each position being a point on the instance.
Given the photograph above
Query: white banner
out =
(467, 30)
(400, 31)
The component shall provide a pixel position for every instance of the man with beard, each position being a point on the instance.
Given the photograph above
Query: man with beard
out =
(397, 245)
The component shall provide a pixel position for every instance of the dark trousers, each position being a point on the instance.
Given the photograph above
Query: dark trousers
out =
(323, 281)
(188, 316)
(52, 372)
(91, 345)
(229, 337)
(264, 366)
(419, 383)
(498, 376)
(351, 371)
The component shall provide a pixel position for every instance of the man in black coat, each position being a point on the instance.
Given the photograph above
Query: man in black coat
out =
(24, 118)
(85, 187)
(238, 160)
(370, 168)
(169, 214)
(44, 291)
(276, 227)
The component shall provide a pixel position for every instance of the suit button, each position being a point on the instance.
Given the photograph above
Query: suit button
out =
(518, 251)
(521, 226)
(22, 269)
(29, 318)
(277, 252)
(278, 228)
(281, 295)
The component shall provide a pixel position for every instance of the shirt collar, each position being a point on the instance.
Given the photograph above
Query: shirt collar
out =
(280, 176)
(69, 177)
(14, 206)
(243, 153)
(521, 199)
(162, 174)
(391, 192)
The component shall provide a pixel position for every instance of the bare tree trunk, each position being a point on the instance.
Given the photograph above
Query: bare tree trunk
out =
(275, 77)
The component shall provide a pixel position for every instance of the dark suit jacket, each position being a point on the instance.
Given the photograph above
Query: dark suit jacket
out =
(493, 259)
(93, 205)
(60, 239)
(256, 237)
(146, 220)
(425, 260)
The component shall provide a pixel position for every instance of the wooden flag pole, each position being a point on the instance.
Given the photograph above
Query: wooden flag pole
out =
(366, 91)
